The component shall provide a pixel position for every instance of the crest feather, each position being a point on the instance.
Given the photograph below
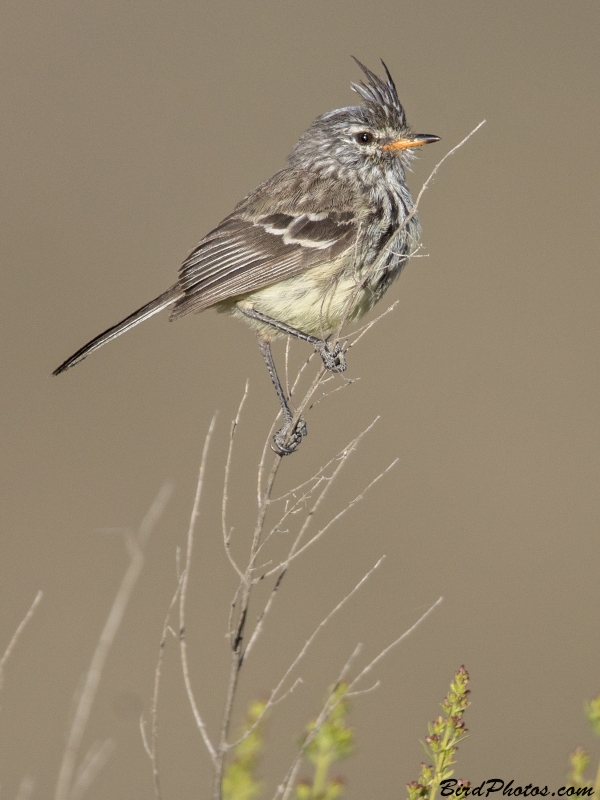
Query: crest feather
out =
(381, 95)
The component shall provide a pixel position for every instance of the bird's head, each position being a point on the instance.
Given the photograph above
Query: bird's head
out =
(364, 140)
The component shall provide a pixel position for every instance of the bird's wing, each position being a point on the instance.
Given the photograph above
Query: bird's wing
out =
(283, 228)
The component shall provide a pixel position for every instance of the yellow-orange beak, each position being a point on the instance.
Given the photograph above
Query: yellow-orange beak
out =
(416, 141)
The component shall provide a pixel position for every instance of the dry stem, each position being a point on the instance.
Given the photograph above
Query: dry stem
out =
(17, 633)
(135, 543)
(151, 747)
(284, 789)
(183, 595)
(274, 692)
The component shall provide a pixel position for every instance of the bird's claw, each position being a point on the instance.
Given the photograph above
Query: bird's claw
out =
(286, 440)
(333, 358)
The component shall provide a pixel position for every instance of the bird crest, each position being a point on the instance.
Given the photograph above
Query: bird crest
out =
(380, 96)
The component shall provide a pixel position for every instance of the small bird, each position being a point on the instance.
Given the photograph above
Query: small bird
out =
(314, 246)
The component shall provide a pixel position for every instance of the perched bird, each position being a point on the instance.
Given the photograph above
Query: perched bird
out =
(314, 246)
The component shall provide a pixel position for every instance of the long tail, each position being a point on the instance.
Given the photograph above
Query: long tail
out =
(153, 307)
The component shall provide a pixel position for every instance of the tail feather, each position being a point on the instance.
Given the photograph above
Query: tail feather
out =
(153, 307)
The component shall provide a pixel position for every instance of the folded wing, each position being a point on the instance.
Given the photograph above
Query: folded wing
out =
(257, 246)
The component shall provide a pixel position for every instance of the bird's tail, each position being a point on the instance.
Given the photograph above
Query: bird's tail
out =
(153, 307)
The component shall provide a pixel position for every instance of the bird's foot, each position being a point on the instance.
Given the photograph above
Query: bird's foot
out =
(333, 358)
(286, 440)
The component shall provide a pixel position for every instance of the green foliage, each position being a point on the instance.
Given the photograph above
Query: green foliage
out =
(332, 741)
(592, 712)
(239, 779)
(579, 759)
(445, 734)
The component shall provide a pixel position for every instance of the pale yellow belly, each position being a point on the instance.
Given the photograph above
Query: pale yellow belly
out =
(311, 302)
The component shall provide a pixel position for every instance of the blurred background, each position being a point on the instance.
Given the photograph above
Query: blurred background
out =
(128, 131)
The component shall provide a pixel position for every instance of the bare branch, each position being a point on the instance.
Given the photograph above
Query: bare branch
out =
(293, 552)
(183, 595)
(230, 625)
(272, 698)
(346, 383)
(236, 631)
(358, 334)
(358, 692)
(17, 633)
(311, 541)
(317, 477)
(151, 748)
(288, 342)
(436, 168)
(284, 788)
(287, 693)
(144, 736)
(290, 510)
(394, 644)
(343, 458)
(261, 465)
(135, 544)
(300, 372)
(226, 533)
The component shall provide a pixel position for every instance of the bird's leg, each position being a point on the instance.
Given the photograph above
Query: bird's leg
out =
(287, 439)
(333, 357)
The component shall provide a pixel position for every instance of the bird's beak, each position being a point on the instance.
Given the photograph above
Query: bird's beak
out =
(415, 141)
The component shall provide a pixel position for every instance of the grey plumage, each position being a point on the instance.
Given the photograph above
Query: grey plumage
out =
(316, 244)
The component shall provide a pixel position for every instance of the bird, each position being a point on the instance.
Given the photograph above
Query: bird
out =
(314, 246)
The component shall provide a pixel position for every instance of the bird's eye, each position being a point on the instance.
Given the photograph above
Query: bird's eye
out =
(364, 137)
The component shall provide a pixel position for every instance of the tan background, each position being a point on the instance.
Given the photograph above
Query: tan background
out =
(129, 130)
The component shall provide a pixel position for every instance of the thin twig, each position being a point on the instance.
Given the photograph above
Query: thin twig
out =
(295, 548)
(436, 168)
(227, 533)
(394, 644)
(300, 372)
(261, 464)
(290, 510)
(359, 692)
(151, 747)
(135, 544)
(237, 633)
(317, 478)
(183, 595)
(285, 787)
(358, 334)
(332, 521)
(17, 633)
(144, 735)
(272, 698)
(230, 625)
(287, 364)
(343, 458)
(346, 382)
